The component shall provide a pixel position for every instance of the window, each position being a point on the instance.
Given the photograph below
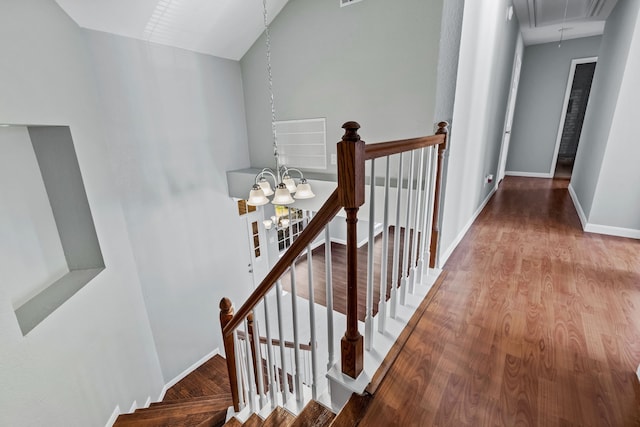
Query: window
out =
(291, 222)
(256, 239)
(302, 143)
(244, 208)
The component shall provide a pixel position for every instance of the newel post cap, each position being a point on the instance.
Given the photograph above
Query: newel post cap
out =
(351, 131)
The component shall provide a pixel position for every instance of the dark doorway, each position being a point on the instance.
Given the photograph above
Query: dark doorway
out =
(576, 107)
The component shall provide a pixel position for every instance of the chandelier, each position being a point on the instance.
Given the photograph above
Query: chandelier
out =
(284, 184)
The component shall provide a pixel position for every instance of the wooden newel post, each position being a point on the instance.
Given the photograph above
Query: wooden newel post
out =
(226, 314)
(352, 196)
(435, 224)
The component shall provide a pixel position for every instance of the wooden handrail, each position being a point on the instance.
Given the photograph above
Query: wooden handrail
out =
(382, 149)
(276, 342)
(326, 213)
(350, 195)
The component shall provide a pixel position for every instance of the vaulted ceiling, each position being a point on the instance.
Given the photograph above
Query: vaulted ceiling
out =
(228, 28)
(542, 21)
(224, 28)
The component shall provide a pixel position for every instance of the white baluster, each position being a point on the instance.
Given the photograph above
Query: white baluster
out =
(433, 170)
(271, 370)
(416, 225)
(396, 240)
(382, 304)
(312, 324)
(404, 282)
(296, 340)
(329, 295)
(368, 319)
(249, 364)
(242, 391)
(425, 213)
(283, 356)
(258, 357)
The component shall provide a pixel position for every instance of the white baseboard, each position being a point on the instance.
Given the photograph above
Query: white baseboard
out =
(186, 372)
(134, 406)
(578, 206)
(114, 416)
(638, 372)
(446, 254)
(148, 402)
(599, 228)
(529, 174)
(612, 231)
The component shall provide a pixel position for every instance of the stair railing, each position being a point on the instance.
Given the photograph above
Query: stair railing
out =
(414, 222)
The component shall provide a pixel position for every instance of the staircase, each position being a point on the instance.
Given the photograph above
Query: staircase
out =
(211, 411)
(268, 377)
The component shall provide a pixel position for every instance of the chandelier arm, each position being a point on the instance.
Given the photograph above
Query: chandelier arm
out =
(266, 171)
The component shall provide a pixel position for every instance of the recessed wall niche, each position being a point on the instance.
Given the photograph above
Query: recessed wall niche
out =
(56, 161)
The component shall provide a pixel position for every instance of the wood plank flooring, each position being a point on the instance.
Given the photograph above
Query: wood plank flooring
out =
(536, 324)
(339, 269)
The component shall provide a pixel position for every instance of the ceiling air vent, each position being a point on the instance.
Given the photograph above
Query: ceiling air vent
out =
(344, 3)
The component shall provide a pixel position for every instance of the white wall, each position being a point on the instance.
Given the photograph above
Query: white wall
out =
(96, 351)
(545, 70)
(174, 123)
(374, 62)
(605, 175)
(616, 202)
(487, 50)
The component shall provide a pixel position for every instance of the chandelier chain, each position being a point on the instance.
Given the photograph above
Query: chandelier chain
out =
(267, 33)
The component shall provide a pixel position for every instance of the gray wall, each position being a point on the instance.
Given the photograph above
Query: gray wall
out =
(154, 130)
(543, 81)
(374, 62)
(452, 12)
(606, 176)
(96, 351)
(174, 122)
(487, 51)
(31, 254)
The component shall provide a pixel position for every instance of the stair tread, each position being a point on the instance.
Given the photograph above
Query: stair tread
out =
(253, 421)
(353, 411)
(233, 422)
(280, 417)
(211, 418)
(314, 415)
(224, 399)
(186, 407)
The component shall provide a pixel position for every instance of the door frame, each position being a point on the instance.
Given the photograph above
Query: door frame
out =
(249, 218)
(504, 148)
(565, 104)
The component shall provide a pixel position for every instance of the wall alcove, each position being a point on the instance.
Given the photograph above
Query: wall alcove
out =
(50, 244)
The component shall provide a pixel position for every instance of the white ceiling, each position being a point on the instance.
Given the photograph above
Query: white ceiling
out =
(224, 28)
(228, 28)
(541, 21)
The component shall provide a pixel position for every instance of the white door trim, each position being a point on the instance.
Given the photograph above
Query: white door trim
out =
(567, 94)
(511, 106)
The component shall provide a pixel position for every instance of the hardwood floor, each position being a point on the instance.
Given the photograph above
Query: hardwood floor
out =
(339, 268)
(536, 324)
(209, 379)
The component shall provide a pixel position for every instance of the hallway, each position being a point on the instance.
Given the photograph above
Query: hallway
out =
(536, 323)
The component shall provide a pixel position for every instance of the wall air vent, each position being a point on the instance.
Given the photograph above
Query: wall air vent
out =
(344, 3)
